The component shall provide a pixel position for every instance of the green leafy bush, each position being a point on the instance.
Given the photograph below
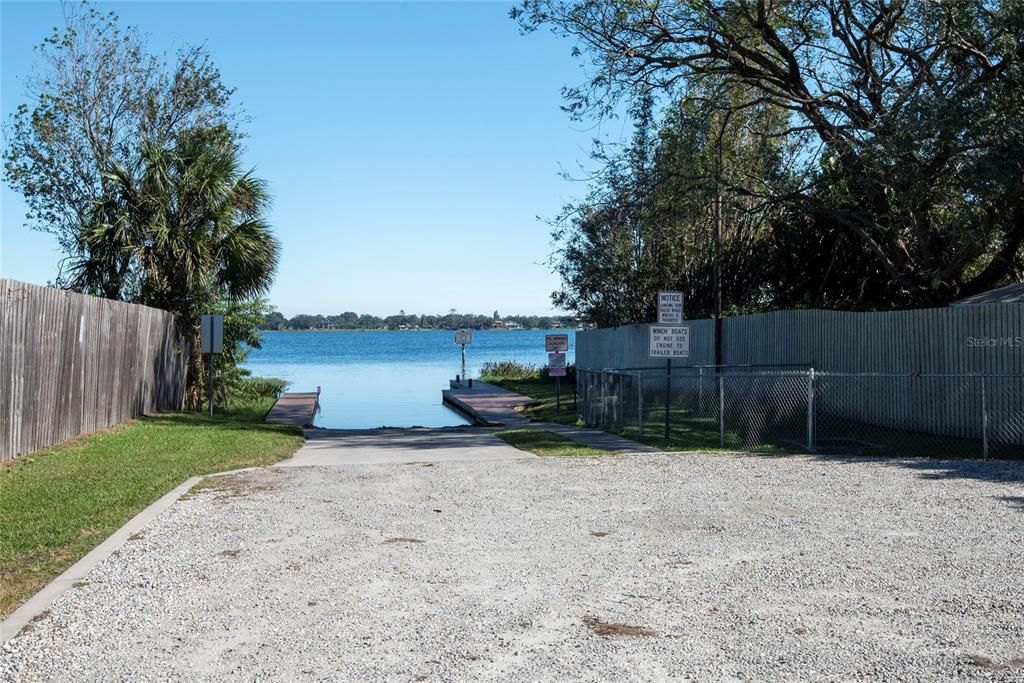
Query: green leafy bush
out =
(509, 369)
(252, 388)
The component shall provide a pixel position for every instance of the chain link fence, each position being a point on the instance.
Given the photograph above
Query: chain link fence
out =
(798, 409)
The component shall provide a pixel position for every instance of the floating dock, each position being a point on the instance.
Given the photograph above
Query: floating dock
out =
(485, 404)
(295, 408)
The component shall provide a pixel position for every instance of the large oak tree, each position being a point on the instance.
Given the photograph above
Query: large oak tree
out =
(904, 120)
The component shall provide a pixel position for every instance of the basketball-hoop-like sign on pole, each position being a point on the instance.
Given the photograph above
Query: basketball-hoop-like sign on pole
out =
(212, 341)
(463, 337)
(669, 340)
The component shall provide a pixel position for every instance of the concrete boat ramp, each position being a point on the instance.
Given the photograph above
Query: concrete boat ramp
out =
(486, 405)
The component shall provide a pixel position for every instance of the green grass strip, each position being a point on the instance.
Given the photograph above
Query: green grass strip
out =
(59, 503)
(543, 390)
(541, 442)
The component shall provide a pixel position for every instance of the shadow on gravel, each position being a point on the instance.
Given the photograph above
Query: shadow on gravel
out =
(997, 471)
(405, 439)
(981, 470)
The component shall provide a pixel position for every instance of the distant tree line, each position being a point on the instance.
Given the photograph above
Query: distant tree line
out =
(793, 153)
(451, 321)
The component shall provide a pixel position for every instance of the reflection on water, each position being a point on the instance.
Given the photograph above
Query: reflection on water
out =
(375, 379)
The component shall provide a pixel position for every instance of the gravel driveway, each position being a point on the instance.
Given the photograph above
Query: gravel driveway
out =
(643, 567)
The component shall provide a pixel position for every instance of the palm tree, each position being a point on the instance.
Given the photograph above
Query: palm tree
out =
(183, 229)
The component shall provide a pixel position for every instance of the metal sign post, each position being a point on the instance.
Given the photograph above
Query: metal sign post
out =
(669, 343)
(463, 337)
(211, 341)
(210, 394)
(556, 369)
(670, 312)
(556, 345)
(668, 396)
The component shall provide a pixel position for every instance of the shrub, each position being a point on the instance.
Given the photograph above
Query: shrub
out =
(251, 388)
(513, 369)
(509, 369)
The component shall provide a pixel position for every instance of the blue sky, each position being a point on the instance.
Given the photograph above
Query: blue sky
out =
(409, 146)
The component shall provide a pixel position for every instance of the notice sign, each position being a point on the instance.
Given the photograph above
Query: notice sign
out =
(556, 343)
(463, 336)
(670, 342)
(670, 308)
(556, 365)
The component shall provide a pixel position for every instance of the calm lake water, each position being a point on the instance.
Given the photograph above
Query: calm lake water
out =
(393, 379)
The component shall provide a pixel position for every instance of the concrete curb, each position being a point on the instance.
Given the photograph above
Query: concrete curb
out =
(41, 601)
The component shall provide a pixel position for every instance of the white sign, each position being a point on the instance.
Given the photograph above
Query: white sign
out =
(670, 308)
(670, 342)
(212, 333)
(556, 365)
(556, 343)
(463, 336)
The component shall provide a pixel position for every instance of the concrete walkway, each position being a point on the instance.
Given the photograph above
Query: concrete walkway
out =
(491, 405)
(338, 447)
(595, 438)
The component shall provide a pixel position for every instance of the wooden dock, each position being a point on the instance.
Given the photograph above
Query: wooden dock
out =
(295, 408)
(486, 404)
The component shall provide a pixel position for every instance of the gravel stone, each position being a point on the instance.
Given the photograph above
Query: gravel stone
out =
(642, 567)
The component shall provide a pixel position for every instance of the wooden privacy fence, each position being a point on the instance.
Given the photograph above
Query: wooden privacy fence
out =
(72, 364)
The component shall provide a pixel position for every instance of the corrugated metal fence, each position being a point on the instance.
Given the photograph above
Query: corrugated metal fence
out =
(960, 339)
(950, 371)
(72, 364)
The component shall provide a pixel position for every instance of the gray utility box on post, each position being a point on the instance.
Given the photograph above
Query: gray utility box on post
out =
(212, 333)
